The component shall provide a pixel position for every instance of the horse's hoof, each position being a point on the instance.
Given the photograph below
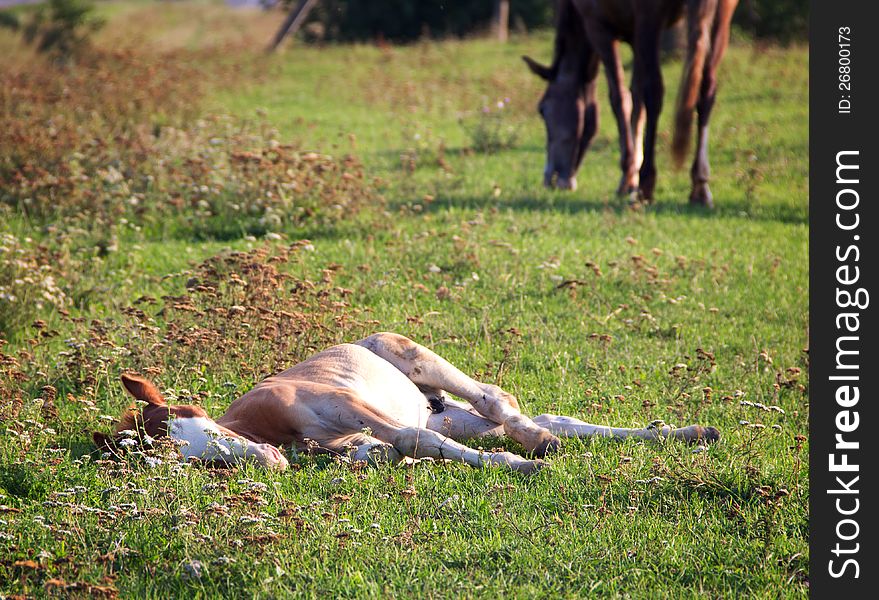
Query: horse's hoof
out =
(550, 445)
(436, 404)
(516, 463)
(567, 183)
(627, 191)
(634, 200)
(646, 199)
(532, 466)
(710, 434)
(701, 196)
(693, 434)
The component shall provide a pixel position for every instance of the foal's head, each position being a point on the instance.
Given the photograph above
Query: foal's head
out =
(198, 435)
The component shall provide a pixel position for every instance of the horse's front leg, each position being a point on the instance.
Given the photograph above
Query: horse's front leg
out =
(425, 443)
(621, 103)
(571, 427)
(648, 78)
(396, 442)
(639, 118)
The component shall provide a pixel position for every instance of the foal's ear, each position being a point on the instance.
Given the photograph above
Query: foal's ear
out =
(542, 71)
(142, 389)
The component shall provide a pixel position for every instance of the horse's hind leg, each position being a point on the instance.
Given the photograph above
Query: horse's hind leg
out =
(425, 368)
(701, 170)
(461, 422)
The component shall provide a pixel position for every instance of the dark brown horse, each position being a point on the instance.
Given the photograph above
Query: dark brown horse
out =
(589, 31)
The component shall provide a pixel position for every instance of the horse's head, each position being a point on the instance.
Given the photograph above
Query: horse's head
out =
(568, 105)
(570, 114)
(198, 435)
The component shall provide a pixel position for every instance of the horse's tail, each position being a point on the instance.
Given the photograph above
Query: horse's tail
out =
(698, 47)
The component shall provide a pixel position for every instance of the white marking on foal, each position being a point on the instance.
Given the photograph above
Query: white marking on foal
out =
(202, 438)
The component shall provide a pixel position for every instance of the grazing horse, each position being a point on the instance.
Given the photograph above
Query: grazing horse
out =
(588, 32)
(379, 399)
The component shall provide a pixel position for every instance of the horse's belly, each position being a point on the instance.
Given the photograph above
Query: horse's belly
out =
(376, 381)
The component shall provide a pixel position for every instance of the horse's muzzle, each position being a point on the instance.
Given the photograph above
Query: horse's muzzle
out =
(554, 179)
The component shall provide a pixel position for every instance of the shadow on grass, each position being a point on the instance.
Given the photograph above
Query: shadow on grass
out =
(572, 204)
(537, 199)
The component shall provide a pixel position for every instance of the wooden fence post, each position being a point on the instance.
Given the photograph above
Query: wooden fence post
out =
(292, 23)
(501, 22)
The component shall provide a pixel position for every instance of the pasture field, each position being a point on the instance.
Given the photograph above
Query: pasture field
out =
(184, 206)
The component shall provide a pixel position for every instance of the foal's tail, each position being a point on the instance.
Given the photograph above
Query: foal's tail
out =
(707, 37)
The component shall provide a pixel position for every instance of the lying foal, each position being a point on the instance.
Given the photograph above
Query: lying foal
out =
(378, 399)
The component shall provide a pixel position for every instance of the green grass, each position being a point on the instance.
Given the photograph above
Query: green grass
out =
(722, 292)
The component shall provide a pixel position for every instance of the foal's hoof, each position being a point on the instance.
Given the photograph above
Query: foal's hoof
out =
(533, 466)
(517, 463)
(436, 404)
(710, 434)
(694, 434)
(638, 199)
(549, 445)
(633, 199)
(630, 183)
(529, 467)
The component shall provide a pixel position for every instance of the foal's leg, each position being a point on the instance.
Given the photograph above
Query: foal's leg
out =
(339, 419)
(571, 427)
(457, 422)
(426, 443)
(426, 368)
(422, 443)
(359, 446)
(461, 422)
